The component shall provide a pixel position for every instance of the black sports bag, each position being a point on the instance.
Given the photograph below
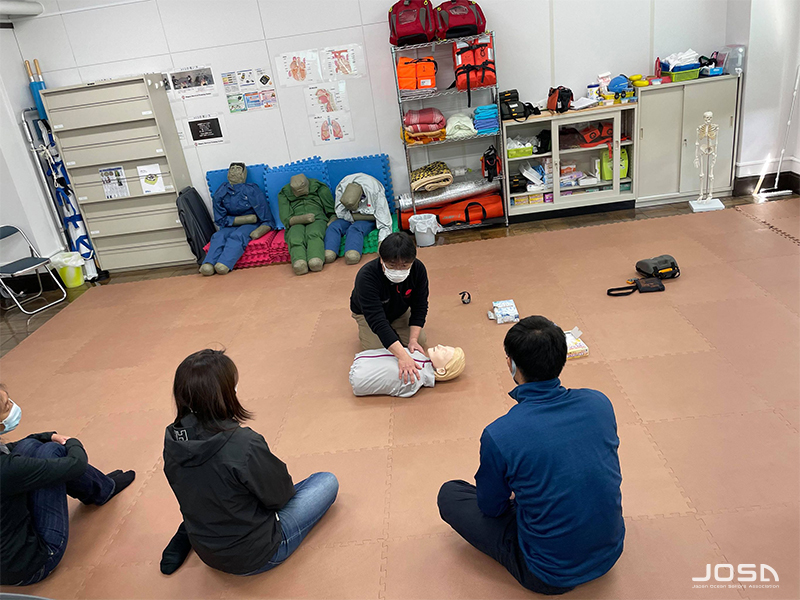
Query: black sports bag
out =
(196, 221)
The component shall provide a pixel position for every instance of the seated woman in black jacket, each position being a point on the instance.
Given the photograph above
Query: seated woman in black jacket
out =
(241, 513)
(36, 476)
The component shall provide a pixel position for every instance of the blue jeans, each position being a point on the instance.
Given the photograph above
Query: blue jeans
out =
(228, 244)
(312, 499)
(355, 232)
(48, 506)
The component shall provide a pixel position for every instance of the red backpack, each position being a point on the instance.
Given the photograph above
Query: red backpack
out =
(459, 18)
(411, 22)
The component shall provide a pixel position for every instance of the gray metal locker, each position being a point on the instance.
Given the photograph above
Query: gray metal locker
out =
(125, 123)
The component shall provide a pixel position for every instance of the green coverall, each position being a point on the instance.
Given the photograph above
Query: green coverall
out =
(306, 241)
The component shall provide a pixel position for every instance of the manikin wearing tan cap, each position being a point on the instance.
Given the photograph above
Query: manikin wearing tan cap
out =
(377, 372)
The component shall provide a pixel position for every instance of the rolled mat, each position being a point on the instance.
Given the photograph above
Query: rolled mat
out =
(453, 192)
(471, 210)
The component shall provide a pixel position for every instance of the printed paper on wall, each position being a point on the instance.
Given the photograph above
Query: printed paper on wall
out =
(206, 129)
(298, 68)
(331, 128)
(327, 97)
(340, 62)
(192, 82)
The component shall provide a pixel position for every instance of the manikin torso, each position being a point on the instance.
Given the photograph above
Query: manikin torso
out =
(376, 372)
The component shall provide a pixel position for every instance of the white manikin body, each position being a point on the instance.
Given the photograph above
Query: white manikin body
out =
(376, 373)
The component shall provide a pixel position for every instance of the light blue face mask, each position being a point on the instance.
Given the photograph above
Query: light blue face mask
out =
(513, 370)
(12, 420)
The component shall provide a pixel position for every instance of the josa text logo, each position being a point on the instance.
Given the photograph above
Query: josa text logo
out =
(742, 573)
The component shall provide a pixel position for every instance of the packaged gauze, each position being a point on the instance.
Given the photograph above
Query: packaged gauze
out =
(504, 311)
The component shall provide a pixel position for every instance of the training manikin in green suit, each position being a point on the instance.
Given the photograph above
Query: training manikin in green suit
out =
(306, 210)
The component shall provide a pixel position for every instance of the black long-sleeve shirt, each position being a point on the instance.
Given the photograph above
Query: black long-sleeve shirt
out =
(22, 551)
(381, 301)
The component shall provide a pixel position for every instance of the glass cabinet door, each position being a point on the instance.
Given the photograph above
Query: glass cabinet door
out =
(587, 159)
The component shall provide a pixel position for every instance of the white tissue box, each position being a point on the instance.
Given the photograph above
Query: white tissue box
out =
(504, 311)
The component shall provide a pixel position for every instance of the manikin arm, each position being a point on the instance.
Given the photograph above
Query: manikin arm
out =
(245, 220)
(360, 217)
(260, 231)
(306, 219)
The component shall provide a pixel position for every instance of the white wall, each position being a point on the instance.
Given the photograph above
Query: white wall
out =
(773, 54)
(540, 43)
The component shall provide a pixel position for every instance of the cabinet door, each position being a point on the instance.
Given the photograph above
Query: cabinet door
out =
(719, 97)
(660, 126)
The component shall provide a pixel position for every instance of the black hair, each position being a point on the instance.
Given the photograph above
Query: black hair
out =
(398, 247)
(205, 384)
(538, 347)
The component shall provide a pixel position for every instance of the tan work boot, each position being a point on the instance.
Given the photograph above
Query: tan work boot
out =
(330, 256)
(351, 257)
(315, 264)
(300, 267)
(207, 269)
(221, 269)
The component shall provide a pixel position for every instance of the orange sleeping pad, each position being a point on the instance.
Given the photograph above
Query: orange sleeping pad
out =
(470, 210)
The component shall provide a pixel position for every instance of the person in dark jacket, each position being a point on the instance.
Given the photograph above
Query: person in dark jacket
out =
(241, 512)
(36, 476)
(390, 302)
(547, 502)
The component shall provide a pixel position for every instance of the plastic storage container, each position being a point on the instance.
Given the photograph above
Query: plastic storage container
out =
(70, 268)
(424, 227)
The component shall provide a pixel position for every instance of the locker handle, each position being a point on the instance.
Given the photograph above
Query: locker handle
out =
(641, 133)
(731, 120)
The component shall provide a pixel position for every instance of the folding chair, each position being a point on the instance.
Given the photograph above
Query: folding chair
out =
(24, 266)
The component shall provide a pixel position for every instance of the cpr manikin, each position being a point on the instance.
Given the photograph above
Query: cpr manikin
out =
(361, 205)
(242, 214)
(375, 372)
(306, 209)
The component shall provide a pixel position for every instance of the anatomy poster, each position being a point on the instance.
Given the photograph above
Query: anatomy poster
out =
(331, 127)
(298, 68)
(206, 129)
(327, 97)
(340, 62)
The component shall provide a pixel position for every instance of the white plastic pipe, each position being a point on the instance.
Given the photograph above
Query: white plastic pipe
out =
(20, 8)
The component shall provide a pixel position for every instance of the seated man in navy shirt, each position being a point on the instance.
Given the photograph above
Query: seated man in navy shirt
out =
(547, 502)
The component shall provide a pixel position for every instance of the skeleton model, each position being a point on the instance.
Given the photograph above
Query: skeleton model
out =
(705, 156)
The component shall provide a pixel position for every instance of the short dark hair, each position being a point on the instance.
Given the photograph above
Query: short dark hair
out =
(538, 347)
(205, 384)
(396, 247)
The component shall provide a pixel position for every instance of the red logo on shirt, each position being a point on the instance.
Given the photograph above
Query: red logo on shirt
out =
(408, 292)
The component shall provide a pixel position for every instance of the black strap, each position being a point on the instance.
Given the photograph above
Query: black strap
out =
(622, 291)
(478, 204)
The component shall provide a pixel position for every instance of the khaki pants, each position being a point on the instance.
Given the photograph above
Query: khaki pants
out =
(370, 341)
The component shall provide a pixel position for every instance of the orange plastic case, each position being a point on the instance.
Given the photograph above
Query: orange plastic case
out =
(416, 73)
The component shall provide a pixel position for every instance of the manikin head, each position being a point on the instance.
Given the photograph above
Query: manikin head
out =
(707, 116)
(299, 185)
(237, 173)
(351, 197)
(448, 362)
(536, 350)
(10, 412)
(397, 253)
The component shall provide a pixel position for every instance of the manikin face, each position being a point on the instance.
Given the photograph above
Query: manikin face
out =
(440, 356)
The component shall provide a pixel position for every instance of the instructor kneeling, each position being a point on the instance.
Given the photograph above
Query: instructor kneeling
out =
(390, 302)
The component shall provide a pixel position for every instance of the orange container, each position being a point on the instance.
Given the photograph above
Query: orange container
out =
(426, 73)
(407, 73)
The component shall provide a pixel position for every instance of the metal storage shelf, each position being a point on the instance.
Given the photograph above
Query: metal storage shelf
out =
(425, 95)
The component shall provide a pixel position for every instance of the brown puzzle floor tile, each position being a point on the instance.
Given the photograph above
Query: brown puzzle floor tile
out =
(700, 384)
(731, 461)
(101, 370)
(761, 536)
(647, 485)
(417, 474)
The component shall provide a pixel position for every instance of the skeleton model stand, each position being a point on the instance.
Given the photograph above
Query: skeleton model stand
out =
(705, 156)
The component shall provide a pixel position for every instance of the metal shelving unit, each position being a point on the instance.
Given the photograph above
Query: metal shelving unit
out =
(405, 96)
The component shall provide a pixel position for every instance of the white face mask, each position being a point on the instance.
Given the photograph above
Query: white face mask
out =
(12, 420)
(396, 275)
(513, 370)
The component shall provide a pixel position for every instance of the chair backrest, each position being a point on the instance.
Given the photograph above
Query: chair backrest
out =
(8, 231)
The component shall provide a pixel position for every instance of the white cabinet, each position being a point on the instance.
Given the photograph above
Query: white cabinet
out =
(668, 119)
(567, 153)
